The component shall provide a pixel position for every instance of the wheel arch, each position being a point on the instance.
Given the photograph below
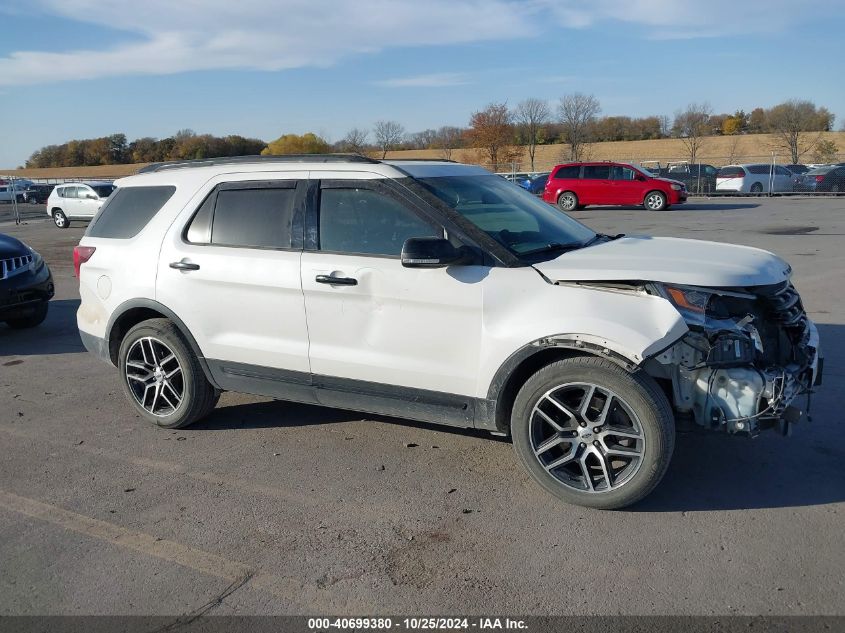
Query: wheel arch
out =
(529, 359)
(134, 311)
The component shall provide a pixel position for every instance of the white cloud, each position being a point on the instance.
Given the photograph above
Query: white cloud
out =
(172, 36)
(434, 80)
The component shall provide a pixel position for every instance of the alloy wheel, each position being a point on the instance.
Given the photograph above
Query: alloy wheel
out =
(154, 376)
(587, 437)
(655, 202)
(59, 219)
(568, 202)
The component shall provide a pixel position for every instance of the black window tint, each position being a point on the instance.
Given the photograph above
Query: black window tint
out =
(128, 210)
(570, 171)
(597, 172)
(365, 221)
(104, 191)
(759, 169)
(258, 218)
(199, 230)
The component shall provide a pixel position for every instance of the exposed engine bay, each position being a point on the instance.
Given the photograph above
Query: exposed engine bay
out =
(749, 353)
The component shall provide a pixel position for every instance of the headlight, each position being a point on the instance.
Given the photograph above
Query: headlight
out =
(677, 187)
(692, 303)
(37, 260)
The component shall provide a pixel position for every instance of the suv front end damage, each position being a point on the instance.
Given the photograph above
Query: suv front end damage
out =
(749, 353)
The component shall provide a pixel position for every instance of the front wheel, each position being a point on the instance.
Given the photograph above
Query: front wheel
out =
(33, 320)
(162, 377)
(593, 434)
(60, 219)
(567, 201)
(655, 201)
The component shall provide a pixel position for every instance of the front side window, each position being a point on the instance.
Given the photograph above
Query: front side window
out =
(71, 192)
(618, 172)
(597, 172)
(367, 222)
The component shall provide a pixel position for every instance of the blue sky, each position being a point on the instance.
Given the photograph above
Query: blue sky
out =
(86, 68)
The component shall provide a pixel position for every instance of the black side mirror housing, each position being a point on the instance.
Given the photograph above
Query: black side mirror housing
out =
(641, 178)
(431, 252)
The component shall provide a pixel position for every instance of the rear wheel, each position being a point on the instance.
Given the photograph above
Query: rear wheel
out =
(567, 201)
(757, 188)
(60, 219)
(33, 320)
(655, 201)
(593, 434)
(162, 377)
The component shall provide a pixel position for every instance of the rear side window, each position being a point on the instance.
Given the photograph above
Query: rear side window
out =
(759, 169)
(257, 218)
(731, 172)
(570, 171)
(597, 172)
(128, 210)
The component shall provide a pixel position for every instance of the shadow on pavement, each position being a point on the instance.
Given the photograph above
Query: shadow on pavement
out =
(57, 335)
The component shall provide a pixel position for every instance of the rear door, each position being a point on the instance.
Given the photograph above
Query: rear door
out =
(229, 268)
(595, 187)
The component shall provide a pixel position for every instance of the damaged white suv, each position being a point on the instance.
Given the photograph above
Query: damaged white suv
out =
(438, 292)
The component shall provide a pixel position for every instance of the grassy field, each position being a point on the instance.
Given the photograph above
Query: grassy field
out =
(716, 150)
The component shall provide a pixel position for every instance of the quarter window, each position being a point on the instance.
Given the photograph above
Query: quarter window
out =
(128, 210)
(364, 221)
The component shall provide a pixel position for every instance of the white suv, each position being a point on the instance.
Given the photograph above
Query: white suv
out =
(77, 201)
(439, 292)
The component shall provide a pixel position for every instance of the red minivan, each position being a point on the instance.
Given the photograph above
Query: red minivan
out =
(575, 185)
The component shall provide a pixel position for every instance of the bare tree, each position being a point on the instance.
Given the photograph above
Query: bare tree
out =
(355, 141)
(733, 149)
(577, 114)
(491, 131)
(665, 126)
(691, 126)
(530, 116)
(798, 126)
(448, 138)
(389, 135)
(423, 140)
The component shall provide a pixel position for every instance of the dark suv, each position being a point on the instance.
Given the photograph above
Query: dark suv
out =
(26, 284)
(575, 185)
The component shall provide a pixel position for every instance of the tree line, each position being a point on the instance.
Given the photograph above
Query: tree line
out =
(498, 133)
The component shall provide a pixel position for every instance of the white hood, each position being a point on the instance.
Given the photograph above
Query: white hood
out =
(670, 260)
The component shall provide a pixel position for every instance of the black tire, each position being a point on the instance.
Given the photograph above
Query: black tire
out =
(198, 396)
(655, 201)
(638, 392)
(567, 201)
(33, 320)
(60, 219)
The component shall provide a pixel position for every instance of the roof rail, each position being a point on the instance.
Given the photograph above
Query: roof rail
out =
(234, 160)
(418, 160)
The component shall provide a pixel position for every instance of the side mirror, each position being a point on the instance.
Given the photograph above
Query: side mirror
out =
(91, 196)
(641, 178)
(430, 252)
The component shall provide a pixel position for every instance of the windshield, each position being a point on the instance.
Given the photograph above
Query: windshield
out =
(645, 170)
(509, 214)
(104, 191)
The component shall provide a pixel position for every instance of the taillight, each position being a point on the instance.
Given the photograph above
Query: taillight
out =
(81, 254)
(819, 178)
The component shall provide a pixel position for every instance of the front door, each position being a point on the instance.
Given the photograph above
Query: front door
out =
(376, 327)
(626, 189)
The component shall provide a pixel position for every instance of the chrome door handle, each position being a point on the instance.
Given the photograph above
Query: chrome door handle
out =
(183, 265)
(336, 281)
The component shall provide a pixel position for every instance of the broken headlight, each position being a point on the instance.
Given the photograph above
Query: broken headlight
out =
(692, 303)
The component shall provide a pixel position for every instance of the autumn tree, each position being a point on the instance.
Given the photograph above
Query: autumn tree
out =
(530, 116)
(308, 143)
(355, 141)
(577, 116)
(691, 126)
(491, 132)
(388, 135)
(447, 139)
(797, 126)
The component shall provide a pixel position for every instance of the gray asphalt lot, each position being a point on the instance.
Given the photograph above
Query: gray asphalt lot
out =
(280, 508)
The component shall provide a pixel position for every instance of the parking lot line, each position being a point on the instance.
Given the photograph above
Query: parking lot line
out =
(199, 560)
